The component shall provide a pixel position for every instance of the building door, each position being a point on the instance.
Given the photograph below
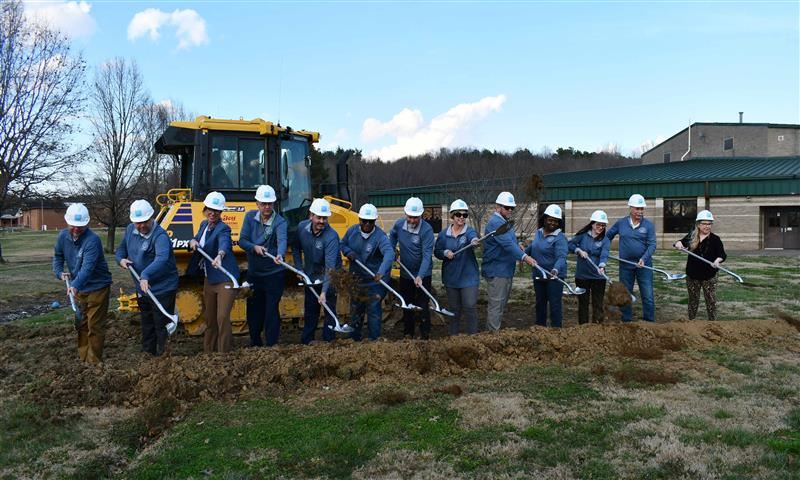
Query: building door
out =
(782, 227)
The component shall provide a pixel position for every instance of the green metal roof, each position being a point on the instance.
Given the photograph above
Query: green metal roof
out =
(696, 177)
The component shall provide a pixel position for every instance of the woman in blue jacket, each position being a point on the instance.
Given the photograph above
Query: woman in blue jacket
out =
(264, 231)
(591, 242)
(460, 274)
(214, 237)
(549, 251)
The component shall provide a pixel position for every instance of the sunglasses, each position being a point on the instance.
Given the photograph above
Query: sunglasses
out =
(366, 221)
(705, 224)
(461, 215)
(510, 209)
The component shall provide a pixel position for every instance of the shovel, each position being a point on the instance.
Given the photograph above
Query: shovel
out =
(737, 277)
(572, 290)
(500, 230)
(235, 280)
(74, 305)
(436, 307)
(589, 259)
(173, 324)
(338, 327)
(669, 276)
(403, 304)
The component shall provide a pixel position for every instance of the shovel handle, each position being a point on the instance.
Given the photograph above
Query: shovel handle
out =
(548, 275)
(737, 277)
(589, 259)
(382, 282)
(221, 268)
(171, 316)
(435, 303)
(71, 296)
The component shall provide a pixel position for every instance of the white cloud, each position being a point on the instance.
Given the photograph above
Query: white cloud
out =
(413, 137)
(340, 137)
(190, 27)
(71, 18)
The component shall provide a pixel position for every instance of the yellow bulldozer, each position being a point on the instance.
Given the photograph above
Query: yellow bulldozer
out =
(234, 157)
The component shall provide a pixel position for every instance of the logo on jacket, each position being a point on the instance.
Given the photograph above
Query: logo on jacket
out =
(318, 245)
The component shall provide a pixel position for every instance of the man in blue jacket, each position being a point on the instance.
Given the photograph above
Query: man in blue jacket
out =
(147, 248)
(368, 244)
(264, 231)
(90, 278)
(500, 256)
(637, 243)
(316, 252)
(416, 250)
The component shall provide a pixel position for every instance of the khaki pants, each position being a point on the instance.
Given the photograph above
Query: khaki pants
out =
(92, 331)
(218, 302)
(498, 290)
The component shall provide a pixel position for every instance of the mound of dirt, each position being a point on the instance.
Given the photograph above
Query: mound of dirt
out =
(41, 364)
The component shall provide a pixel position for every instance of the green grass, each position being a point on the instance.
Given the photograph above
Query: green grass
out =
(730, 360)
(552, 384)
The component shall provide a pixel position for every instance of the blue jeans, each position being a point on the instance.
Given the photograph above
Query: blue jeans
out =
(262, 309)
(372, 307)
(311, 309)
(548, 294)
(644, 277)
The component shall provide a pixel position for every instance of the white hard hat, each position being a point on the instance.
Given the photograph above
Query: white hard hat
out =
(141, 211)
(215, 201)
(636, 200)
(320, 207)
(413, 207)
(368, 212)
(553, 211)
(77, 215)
(599, 216)
(506, 199)
(704, 215)
(266, 194)
(458, 205)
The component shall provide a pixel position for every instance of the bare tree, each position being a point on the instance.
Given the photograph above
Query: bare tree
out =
(160, 172)
(41, 93)
(118, 99)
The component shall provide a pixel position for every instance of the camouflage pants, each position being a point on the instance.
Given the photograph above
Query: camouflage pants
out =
(709, 288)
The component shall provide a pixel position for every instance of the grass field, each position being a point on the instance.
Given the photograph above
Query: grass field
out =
(715, 400)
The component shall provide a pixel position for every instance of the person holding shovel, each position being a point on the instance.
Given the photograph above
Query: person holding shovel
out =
(700, 275)
(415, 238)
(368, 244)
(500, 256)
(591, 243)
(637, 243)
(549, 251)
(264, 231)
(147, 248)
(214, 238)
(82, 251)
(460, 274)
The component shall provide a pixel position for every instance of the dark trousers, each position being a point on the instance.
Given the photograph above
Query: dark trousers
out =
(596, 289)
(372, 308)
(415, 295)
(548, 296)
(263, 314)
(154, 323)
(311, 310)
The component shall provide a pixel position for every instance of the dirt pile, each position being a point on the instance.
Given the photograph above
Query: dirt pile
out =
(40, 364)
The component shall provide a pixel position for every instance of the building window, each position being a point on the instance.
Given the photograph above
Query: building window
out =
(780, 138)
(667, 157)
(679, 215)
(727, 144)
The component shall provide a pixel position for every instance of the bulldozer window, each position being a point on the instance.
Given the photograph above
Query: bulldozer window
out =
(295, 175)
(251, 156)
(237, 163)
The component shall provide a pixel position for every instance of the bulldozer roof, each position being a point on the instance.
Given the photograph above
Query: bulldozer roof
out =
(256, 125)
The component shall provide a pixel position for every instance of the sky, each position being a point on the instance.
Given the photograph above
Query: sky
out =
(398, 78)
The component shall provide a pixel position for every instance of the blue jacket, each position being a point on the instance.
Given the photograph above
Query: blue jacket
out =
(500, 252)
(375, 252)
(152, 258)
(597, 250)
(218, 240)
(316, 255)
(549, 251)
(416, 249)
(462, 270)
(272, 237)
(85, 261)
(634, 244)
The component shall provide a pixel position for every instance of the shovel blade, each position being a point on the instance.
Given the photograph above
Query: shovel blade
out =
(445, 311)
(172, 327)
(342, 328)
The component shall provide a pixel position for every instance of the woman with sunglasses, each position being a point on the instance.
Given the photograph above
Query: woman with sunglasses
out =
(460, 274)
(214, 237)
(700, 275)
(549, 251)
(591, 243)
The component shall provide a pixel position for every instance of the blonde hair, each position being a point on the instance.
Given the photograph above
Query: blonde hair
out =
(695, 237)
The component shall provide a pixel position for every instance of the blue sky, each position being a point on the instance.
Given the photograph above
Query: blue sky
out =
(394, 78)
